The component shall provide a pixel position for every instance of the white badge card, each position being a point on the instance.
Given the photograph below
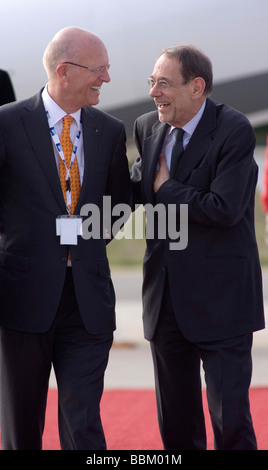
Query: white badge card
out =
(68, 228)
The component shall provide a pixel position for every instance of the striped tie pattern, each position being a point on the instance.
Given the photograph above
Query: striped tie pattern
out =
(67, 147)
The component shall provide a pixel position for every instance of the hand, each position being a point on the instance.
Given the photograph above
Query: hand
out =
(161, 175)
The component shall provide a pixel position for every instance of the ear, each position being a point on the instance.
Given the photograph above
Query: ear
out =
(62, 71)
(198, 87)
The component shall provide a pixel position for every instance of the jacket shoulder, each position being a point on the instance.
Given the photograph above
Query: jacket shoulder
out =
(19, 106)
(103, 117)
(229, 115)
(147, 119)
(144, 124)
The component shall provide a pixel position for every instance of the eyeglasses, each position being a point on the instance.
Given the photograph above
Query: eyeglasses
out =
(97, 71)
(163, 84)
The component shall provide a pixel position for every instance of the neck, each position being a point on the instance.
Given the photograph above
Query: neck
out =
(61, 101)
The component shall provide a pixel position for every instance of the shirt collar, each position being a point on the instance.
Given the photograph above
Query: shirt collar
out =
(54, 110)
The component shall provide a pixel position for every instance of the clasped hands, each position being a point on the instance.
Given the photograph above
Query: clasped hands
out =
(162, 174)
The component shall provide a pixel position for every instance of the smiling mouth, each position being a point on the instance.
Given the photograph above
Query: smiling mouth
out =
(161, 104)
(95, 88)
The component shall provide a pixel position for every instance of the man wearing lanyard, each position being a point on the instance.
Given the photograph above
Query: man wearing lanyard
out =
(56, 293)
(201, 302)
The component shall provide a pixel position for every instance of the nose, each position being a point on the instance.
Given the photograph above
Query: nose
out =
(105, 76)
(155, 91)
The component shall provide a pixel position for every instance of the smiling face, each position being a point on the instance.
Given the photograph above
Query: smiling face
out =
(85, 85)
(177, 102)
(67, 59)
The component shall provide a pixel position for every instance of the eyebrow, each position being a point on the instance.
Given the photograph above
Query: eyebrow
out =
(161, 78)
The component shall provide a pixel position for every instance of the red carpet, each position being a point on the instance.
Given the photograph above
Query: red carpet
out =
(130, 421)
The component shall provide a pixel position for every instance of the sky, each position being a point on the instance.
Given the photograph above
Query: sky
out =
(233, 33)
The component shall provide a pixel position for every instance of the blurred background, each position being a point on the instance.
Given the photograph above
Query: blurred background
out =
(234, 34)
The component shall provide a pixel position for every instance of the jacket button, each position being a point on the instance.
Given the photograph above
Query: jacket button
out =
(63, 259)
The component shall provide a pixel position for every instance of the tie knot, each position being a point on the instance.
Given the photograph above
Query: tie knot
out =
(67, 121)
(179, 134)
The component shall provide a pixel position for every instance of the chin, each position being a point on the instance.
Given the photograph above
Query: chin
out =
(162, 117)
(94, 102)
(91, 103)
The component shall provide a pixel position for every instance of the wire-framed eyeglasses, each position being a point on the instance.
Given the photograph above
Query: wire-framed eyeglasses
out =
(97, 71)
(162, 84)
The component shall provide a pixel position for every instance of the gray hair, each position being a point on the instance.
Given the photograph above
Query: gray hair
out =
(193, 63)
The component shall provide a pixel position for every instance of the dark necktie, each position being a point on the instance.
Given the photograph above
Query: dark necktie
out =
(177, 151)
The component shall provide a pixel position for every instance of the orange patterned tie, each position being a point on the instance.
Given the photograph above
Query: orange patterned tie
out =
(67, 147)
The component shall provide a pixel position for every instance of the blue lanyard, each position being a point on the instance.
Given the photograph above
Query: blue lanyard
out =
(56, 140)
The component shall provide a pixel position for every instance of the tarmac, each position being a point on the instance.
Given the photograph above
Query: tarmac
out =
(130, 364)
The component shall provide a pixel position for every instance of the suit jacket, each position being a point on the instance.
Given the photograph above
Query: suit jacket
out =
(264, 194)
(215, 282)
(32, 261)
(7, 94)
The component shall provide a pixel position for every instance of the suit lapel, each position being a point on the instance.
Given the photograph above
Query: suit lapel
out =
(194, 153)
(199, 142)
(36, 125)
(152, 149)
(91, 136)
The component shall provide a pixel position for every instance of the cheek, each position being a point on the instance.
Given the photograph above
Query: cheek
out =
(179, 105)
(93, 96)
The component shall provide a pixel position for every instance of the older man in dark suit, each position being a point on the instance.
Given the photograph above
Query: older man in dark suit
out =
(201, 299)
(56, 293)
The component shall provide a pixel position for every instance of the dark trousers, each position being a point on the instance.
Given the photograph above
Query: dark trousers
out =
(79, 360)
(228, 369)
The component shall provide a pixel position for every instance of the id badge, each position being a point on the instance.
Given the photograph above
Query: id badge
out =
(68, 228)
